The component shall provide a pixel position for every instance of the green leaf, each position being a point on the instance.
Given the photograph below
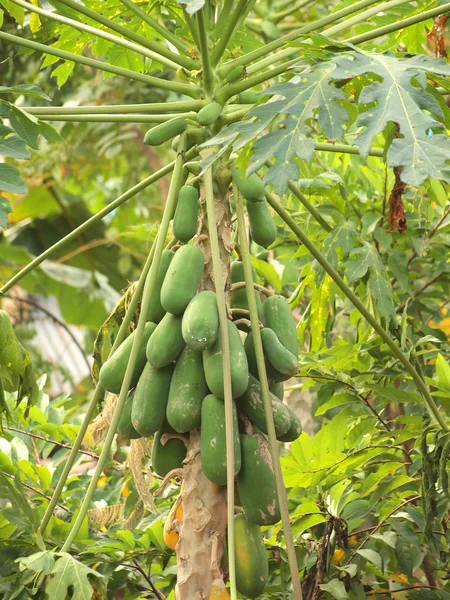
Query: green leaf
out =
(268, 272)
(192, 6)
(337, 400)
(70, 575)
(371, 556)
(442, 370)
(40, 562)
(27, 126)
(404, 552)
(335, 588)
(10, 180)
(17, 12)
(5, 209)
(32, 91)
(11, 145)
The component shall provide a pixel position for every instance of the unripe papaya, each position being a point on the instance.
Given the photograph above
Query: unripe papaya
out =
(252, 565)
(251, 188)
(186, 214)
(209, 113)
(125, 426)
(256, 481)
(213, 364)
(200, 323)
(294, 430)
(150, 399)
(279, 357)
(238, 298)
(193, 167)
(249, 97)
(195, 137)
(170, 456)
(278, 317)
(155, 310)
(170, 533)
(113, 370)
(236, 73)
(187, 391)
(277, 389)
(251, 403)
(182, 279)
(262, 226)
(167, 343)
(213, 450)
(165, 131)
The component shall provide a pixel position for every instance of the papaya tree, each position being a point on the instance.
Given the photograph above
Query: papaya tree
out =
(256, 100)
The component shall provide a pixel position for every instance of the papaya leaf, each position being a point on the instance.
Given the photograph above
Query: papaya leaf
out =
(11, 145)
(33, 91)
(10, 180)
(5, 209)
(192, 6)
(69, 574)
(28, 127)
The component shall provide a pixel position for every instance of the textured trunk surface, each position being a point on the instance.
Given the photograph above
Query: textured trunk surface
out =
(200, 546)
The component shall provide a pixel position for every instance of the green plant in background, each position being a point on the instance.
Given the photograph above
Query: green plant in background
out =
(354, 234)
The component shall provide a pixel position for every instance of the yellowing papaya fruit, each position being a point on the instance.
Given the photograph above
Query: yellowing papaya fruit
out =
(125, 426)
(213, 364)
(182, 279)
(165, 131)
(219, 591)
(186, 214)
(213, 440)
(256, 481)
(187, 390)
(113, 370)
(169, 456)
(252, 565)
(155, 310)
(251, 188)
(170, 533)
(200, 323)
(209, 113)
(262, 226)
(167, 343)
(278, 355)
(251, 403)
(150, 399)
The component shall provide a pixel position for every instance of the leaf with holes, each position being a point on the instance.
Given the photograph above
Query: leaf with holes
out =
(69, 574)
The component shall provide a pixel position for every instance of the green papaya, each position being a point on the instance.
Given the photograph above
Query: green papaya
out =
(213, 440)
(195, 137)
(252, 565)
(150, 399)
(294, 430)
(278, 317)
(249, 348)
(279, 357)
(256, 481)
(251, 188)
(165, 131)
(251, 403)
(187, 391)
(182, 279)
(238, 298)
(186, 214)
(155, 310)
(200, 323)
(277, 389)
(262, 226)
(193, 167)
(166, 343)
(170, 456)
(113, 370)
(125, 426)
(236, 73)
(213, 364)
(209, 113)
(249, 97)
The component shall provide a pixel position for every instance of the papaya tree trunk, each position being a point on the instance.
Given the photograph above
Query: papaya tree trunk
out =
(201, 543)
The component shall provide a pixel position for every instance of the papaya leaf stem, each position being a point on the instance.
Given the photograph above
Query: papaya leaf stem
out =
(421, 386)
(242, 7)
(208, 77)
(97, 217)
(273, 445)
(228, 397)
(149, 287)
(117, 118)
(111, 109)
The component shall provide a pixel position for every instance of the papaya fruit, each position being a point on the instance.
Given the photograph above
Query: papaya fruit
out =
(256, 481)
(195, 137)
(209, 113)
(273, 375)
(150, 399)
(251, 403)
(251, 188)
(236, 73)
(186, 214)
(213, 364)
(213, 451)
(219, 591)
(249, 97)
(187, 391)
(238, 298)
(113, 370)
(252, 564)
(278, 317)
(262, 226)
(200, 323)
(155, 310)
(294, 430)
(125, 426)
(165, 131)
(167, 343)
(168, 457)
(193, 167)
(278, 355)
(182, 279)
(277, 389)
(170, 533)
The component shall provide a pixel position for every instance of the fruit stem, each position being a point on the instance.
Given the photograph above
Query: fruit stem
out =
(146, 297)
(228, 397)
